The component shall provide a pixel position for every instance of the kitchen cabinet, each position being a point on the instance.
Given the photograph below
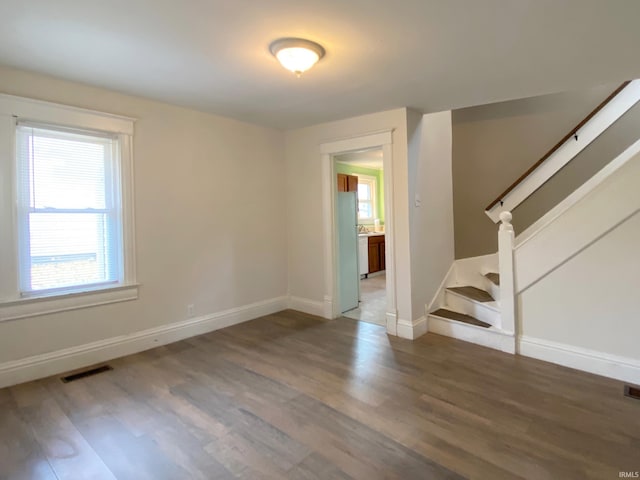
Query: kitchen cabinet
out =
(347, 183)
(376, 254)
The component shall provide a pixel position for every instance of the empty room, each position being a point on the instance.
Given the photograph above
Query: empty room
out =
(296, 240)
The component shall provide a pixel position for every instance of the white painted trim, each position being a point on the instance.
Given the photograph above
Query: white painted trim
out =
(412, 329)
(127, 203)
(506, 241)
(600, 363)
(361, 142)
(392, 323)
(328, 151)
(487, 337)
(602, 120)
(11, 305)
(38, 110)
(438, 299)
(328, 307)
(329, 233)
(35, 306)
(8, 213)
(578, 194)
(312, 307)
(40, 366)
(389, 238)
(471, 270)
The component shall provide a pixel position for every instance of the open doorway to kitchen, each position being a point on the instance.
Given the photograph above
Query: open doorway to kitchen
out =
(333, 303)
(362, 256)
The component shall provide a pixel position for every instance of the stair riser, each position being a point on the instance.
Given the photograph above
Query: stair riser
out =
(492, 288)
(473, 308)
(468, 333)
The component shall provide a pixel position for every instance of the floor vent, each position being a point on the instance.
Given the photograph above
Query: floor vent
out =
(86, 373)
(632, 392)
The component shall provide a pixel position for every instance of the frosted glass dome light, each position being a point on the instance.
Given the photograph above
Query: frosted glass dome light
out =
(296, 54)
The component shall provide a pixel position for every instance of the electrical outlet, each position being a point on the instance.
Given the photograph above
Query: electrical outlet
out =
(190, 308)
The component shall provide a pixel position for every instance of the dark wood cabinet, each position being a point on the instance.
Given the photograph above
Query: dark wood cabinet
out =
(347, 183)
(342, 182)
(376, 254)
(352, 183)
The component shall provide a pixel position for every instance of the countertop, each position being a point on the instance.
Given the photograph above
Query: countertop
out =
(371, 234)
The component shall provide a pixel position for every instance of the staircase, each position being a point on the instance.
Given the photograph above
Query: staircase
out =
(476, 301)
(469, 306)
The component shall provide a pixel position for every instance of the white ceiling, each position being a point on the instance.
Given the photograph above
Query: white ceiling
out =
(366, 159)
(431, 55)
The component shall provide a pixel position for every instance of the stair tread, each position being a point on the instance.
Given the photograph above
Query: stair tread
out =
(460, 317)
(473, 293)
(493, 277)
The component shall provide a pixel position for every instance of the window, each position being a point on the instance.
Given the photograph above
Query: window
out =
(68, 205)
(68, 209)
(366, 199)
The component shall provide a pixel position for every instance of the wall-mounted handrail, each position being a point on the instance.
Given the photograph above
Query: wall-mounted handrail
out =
(574, 131)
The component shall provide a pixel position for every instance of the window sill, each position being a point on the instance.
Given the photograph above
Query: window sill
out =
(35, 306)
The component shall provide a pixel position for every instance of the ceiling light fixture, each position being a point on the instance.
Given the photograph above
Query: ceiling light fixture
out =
(296, 54)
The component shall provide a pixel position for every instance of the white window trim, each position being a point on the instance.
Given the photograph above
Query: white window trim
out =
(12, 306)
(374, 181)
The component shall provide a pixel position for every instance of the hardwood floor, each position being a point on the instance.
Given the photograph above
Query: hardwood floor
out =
(373, 301)
(293, 396)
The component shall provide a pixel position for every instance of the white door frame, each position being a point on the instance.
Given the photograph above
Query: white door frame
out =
(328, 151)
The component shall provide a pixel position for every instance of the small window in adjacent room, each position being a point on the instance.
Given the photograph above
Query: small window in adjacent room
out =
(366, 199)
(66, 208)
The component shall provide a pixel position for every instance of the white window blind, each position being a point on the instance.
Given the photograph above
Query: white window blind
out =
(69, 208)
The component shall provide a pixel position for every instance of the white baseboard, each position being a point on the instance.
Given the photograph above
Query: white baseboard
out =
(40, 366)
(312, 307)
(328, 308)
(392, 323)
(491, 338)
(613, 366)
(412, 330)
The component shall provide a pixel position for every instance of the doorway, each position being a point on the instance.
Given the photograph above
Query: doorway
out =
(362, 256)
(376, 288)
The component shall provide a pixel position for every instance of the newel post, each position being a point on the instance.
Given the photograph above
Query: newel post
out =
(506, 241)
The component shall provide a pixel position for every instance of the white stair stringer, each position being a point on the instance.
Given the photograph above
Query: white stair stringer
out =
(488, 312)
(471, 271)
(492, 288)
(487, 337)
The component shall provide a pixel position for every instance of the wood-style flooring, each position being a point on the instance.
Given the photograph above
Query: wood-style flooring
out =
(373, 301)
(292, 396)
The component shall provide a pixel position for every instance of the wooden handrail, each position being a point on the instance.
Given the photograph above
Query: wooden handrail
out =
(572, 133)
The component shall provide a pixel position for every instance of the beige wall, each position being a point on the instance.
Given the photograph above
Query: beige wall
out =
(304, 202)
(591, 301)
(210, 218)
(431, 220)
(613, 141)
(494, 144)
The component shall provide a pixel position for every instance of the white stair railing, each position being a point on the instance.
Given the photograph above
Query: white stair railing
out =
(506, 243)
(605, 115)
